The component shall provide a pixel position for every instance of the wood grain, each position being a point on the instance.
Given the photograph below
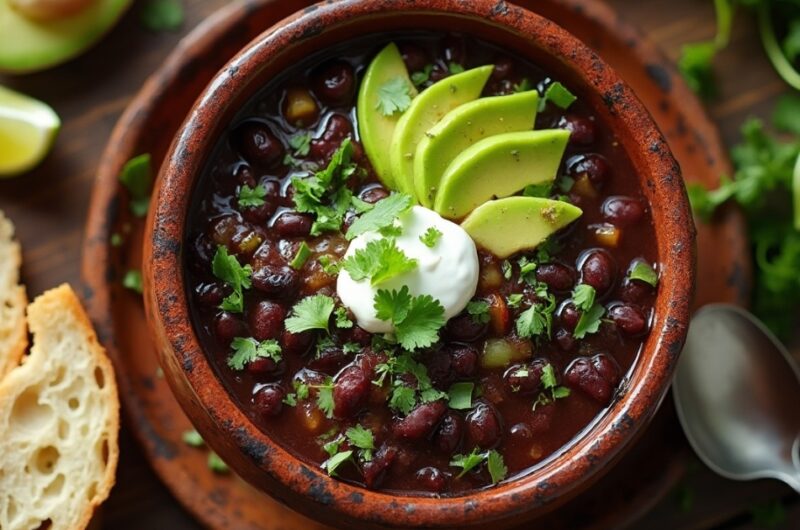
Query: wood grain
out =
(49, 208)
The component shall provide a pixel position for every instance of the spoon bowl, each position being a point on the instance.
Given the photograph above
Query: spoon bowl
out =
(737, 393)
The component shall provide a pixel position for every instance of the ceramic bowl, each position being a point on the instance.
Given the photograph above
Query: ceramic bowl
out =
(270, 466)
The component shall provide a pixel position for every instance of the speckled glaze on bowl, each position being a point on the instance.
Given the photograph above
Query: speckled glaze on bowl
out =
(272, 468)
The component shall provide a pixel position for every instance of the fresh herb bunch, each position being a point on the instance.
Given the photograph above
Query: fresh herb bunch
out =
(779, 27)
(766, 184)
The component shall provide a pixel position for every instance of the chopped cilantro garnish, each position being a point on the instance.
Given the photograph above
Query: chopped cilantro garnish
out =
(557, 94)
(300, 258)
(537, 320)
(300, 143)
(538, 190)
(552, 391)
(468, 462)
(454, 68)
(527, 270)
(216, 464)
(496, 466)
(329, 266)
(393, 96)
(514, 300)
(137, 177)
(333, 463)
(583, 296)
(251, 197)
(643, 272)
(362, 438)
(380, 260)
(589, 322)
(403, 398)
(228, 269)
(162, 15)
(247, 350)
(192, 438)
(430, 237)
(312, 312)
(350, 348)
(460, 395)
(382, 215)
(133, 281)
(523, 86)
(325, 397)
(479, 311)
(421, 77)
(361, 206)
(300, 393)
(507, 269)
(417, 319)
(342, 319)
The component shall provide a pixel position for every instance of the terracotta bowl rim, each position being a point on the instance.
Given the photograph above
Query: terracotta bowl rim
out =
(287, 477)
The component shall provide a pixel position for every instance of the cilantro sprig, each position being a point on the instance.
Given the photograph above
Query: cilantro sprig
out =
(494, 463)
(643, 272)
(431, 237)
(382, 215)
(380, 260)
(394, 96)
(312, 312)
(228, 269)
(251, 197)
(248, 349)
(416, 319)
(552, 390)
(583, 296)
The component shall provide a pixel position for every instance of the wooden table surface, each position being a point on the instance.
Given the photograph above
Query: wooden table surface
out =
(49, 207)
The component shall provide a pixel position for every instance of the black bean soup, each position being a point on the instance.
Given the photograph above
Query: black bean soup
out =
(330, 396)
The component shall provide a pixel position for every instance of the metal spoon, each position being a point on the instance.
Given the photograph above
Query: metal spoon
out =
(737, 391)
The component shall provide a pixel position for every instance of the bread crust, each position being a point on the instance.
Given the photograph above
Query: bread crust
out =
(13, 331)
(54, 315)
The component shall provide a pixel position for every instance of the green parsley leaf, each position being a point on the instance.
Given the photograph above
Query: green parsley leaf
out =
(300, 258)
(589, 322)
(192, 438)
(342, 319)
(393, 96)
(333, 463)
(251, 197)
(430, 237)
(216, 464)
(643, 272)
(162, 15)
(455, 68)
(523, 86)
(133, 281)
(312, 312)
(558, 95)
(467, 462)
(380, 260)
(422, 77)
(496, 465)
(514, 300)
(403, 398)
(247, 350)
(137, 177)
(227, 268)
(460, 395)
(479, 311)
(325, 397)
(583, 296)
(300, 143)
(382, 215)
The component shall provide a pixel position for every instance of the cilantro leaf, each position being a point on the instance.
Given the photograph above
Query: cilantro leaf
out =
(538, 190)
(695, 65)
(312, 312)
(421, 325)
(583, 296)
(383, 214)
(380, 260)
(393, 96)
(454, 68)
(430, 237)
(549, 376)
(479, 311)
(523, 86)
(558, 95)
(467, 462)
(335, 461)
(247, 350)
(300, 258)
(325, 397)
(300, 143)
(643, 272)
(422, 77)
(496, 466)
(329, 266)
(228, 269)
(535, 321)
(514, 300)
(403, 398)
(589, 322)
(342, 319)
(360, 437)
(392, 306)
(251, 197)
(137, 177)
(460, 395)
(133, 281)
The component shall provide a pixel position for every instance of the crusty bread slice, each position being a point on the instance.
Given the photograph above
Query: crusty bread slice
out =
(13, 334)
(59, 422)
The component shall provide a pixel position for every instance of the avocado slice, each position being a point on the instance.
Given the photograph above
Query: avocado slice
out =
(507, 226)
(28, 129)
(499, 166)
(462, 127)
(375, 128)
(425, 111)
(28, 44)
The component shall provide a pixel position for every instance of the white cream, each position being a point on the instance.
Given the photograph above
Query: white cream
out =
(448, 271)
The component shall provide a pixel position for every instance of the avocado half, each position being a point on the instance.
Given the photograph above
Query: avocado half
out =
(28, 45)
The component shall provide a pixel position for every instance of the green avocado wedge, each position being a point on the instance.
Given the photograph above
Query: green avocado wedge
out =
(28, 45)
(499, 166)
(425, 111)
(507, 226)
(374, 127)
(464, 126)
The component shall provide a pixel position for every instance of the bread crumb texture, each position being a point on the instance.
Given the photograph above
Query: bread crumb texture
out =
(13, 335)
(59, 422)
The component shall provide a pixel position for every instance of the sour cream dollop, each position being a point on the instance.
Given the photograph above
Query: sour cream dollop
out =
(448, 272)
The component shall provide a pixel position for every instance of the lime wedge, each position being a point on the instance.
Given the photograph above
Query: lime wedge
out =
(28, 129)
